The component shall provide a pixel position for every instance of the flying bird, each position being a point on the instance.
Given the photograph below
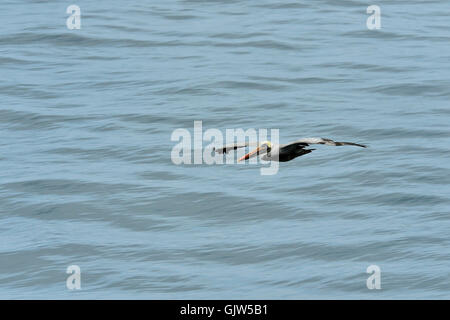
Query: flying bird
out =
(282, 152)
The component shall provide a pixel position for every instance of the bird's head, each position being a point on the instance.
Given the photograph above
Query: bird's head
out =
(264, 147)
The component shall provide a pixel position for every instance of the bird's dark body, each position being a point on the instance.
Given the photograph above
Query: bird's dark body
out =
(289, 156)
(288, 152)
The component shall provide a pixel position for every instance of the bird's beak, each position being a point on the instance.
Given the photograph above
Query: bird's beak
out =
(251, 154)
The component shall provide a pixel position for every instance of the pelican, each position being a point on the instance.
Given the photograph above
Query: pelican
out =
(282, 152)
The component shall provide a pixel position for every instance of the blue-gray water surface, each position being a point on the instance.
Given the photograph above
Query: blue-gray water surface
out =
(86, 178)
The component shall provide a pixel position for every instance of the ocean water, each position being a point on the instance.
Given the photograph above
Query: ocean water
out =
(86, 178)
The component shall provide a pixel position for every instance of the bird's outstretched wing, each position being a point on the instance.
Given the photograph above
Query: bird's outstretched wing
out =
(233, 146)
(328, 142)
